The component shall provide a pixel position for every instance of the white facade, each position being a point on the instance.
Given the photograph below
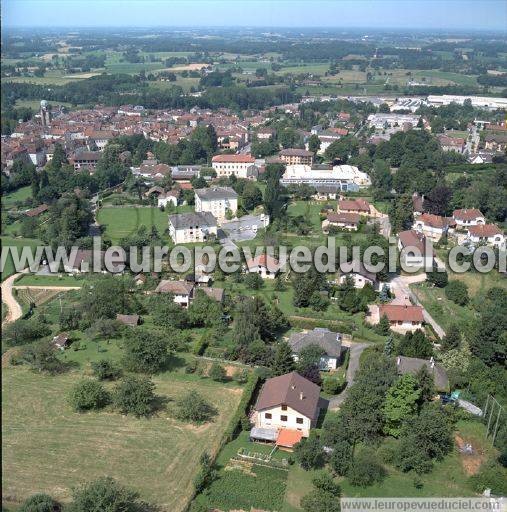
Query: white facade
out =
(412, 260)
(359, 280)
(217, 206)
(238, 169)
(164, 200)
(497, 240)
(283, 416)
(299, 173)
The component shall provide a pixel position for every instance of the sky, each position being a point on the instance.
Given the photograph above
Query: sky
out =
(459, 15)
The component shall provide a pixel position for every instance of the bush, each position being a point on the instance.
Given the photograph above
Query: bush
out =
(135, 395)
(194, 408)
(40, 503)
(253, 281)
(145, 352)
(88, 394)
(41, 357)
(105, 370)
(490, 476)
(217, 372)
(191, 366)
(366, 469)
(332, 385)
(241, 375)
(309, 453)
(457, 291)
(341, 457)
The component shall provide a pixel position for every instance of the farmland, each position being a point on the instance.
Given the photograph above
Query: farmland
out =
(44, 442)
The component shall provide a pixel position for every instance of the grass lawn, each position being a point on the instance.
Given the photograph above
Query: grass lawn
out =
(6, 241)
(54, 280)
(49, 448)
(9, 200)
(120, 222)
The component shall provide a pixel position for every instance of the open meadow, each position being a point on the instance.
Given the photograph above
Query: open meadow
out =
(49, 448)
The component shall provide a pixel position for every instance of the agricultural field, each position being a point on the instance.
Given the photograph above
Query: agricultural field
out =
(49, 448)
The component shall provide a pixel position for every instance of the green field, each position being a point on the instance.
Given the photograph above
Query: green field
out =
(49, 448)
(10, 199)
(6, 241)
(43, 280)
(120, 222)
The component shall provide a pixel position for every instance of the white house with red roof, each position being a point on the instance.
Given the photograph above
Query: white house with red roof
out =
(241, 166)
(433, 226)
(488, 234)
(468, 217)
(402, 317)
(264, 265)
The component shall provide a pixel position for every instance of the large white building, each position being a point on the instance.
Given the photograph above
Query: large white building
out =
(187, 228)
(477, 101)
(381, 121)
(241, 166)
(217, 200)
(338, 175)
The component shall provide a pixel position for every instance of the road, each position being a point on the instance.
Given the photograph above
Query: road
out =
(355, 352)
(14, 309)
(403, 295)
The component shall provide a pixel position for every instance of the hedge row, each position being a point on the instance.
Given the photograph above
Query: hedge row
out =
(310, 323)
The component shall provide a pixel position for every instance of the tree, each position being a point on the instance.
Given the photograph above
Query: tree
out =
(217, 372)
(253, 281)
(325, 496)
(283, 361)
(88, 394)
(206, 473)
(145, 351)
(40, 503)
(425, 384)
(437, 201)
(400, 213)
(309, 453)
(342, 149)
(251, 196)
(366, 469)
(273, 197)
(389, 346)
(436, 278)
(400, 404)
(457, 291)
(309, 356)
(135, 395)
(314, 143)
(341, 457)
(106, 495)
(452, 338)
(424, 438)
(384, 326)
(23, 331)
(415, 344)
(105, 370)
(167, 313)
(205, 311)
(41, 357)
(194, 408)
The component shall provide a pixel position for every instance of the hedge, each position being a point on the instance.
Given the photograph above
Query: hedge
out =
(310, 323)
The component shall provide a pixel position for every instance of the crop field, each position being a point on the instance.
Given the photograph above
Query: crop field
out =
(49, 448)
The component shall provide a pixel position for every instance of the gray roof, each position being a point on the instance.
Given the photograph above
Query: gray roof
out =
(324, 338)
(360, 270)
(216, 193)
(265, 434)
(412, 365)
(196, 219)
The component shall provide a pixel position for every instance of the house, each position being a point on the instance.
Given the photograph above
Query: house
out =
(468, 217)
(182, 291)
(402, 317)
(326, 192)
(487, 234)
(264, 265)
(192, 227)
(413, 365)
(85, 160)
(62, 341)
(481, 158)
(456, 144)
(241, 166)
(288, 402)
(433, 226)
(214, 293)
(130, 320)
(360, 276)
(416, 250)
(294, 156)
(265, 133)
(359, 206)
(217, 200)
(170, 197)
(417, 204)
(343, 220)
(329, 342)
(140, 279)
(495, 142)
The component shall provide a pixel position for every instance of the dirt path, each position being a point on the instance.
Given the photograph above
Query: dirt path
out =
(14, 309)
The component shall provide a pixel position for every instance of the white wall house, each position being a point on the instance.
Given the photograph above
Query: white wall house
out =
(241, 166)
(264, 265)
(216, 200)
(166, 198)
(487, 234)
(414, 249)
(187, 228)
(468, 217)
(329, 342)
(288, 402)
(402, 318)
(433, 226)
(182, 291)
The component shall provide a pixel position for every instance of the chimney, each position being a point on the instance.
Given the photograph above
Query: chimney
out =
(301, 395)
(398, 361)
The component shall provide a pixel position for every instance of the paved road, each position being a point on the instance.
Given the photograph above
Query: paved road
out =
(403, 295)
(14, 309)
(355, 352)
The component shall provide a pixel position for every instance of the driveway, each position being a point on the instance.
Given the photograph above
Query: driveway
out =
(355, 352)
(14, 310)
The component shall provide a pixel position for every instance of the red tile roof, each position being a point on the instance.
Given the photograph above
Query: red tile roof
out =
(401, 313)
(343, 218)
(467, 214)
(484, 230)
(354, 204)
(435, 221)
(288, 438)
(243, 159)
